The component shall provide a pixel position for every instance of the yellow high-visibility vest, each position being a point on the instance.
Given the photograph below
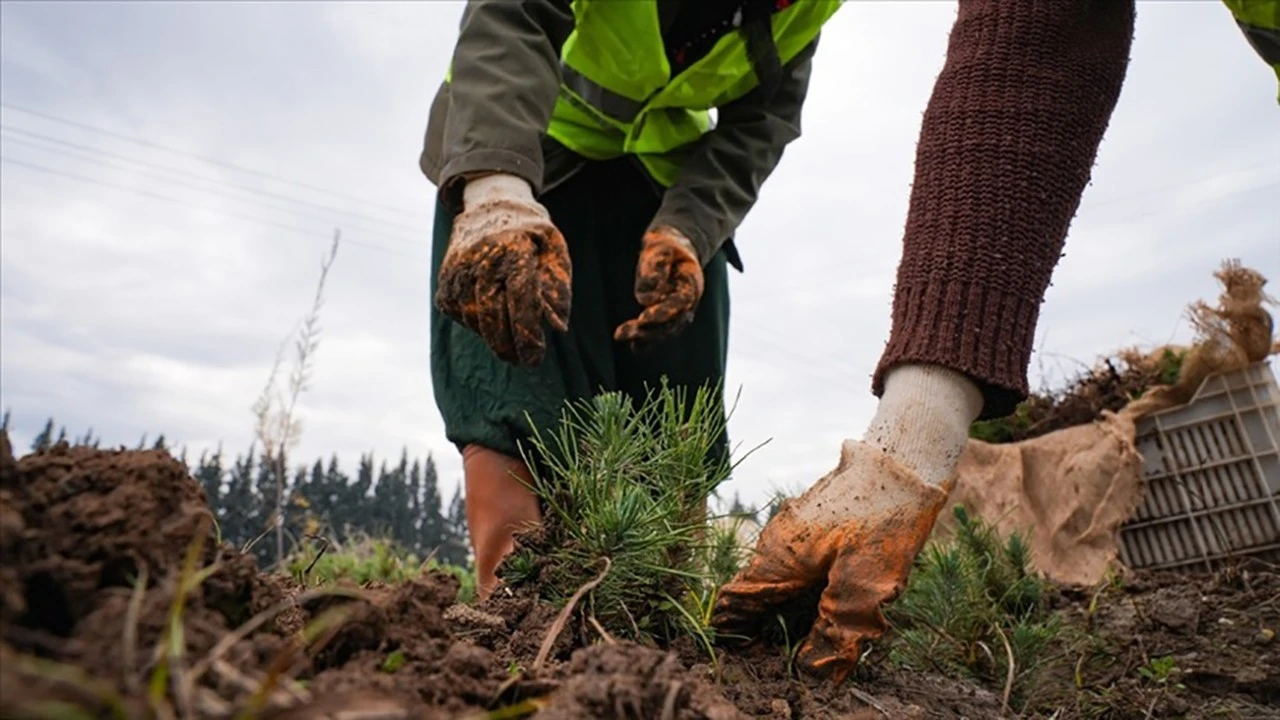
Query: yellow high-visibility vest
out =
(1260, 22)
(618, 97)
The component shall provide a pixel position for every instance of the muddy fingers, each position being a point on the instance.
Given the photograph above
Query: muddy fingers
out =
(858, 530)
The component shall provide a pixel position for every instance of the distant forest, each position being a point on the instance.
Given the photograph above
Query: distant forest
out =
(400, 502)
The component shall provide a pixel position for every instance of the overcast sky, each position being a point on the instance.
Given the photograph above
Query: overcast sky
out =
(146, 291)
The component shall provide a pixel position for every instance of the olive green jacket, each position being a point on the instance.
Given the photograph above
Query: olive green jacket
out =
(494, 114)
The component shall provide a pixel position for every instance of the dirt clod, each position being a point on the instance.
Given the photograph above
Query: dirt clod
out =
(629, 681)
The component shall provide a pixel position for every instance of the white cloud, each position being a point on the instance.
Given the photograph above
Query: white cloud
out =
(133, 314)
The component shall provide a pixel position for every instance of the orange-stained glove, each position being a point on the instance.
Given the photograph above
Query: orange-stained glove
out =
(507, 269)
(858, 530)
(668, 285)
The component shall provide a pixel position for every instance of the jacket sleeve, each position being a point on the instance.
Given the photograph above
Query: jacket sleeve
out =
(505, 76)
(719, 183)
(1259, 20)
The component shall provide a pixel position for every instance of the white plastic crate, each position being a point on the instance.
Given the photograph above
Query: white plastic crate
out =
(1212, 475)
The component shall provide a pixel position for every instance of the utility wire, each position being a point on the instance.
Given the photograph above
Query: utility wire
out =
(1161, 190)
(277, 178)
(1089, 220)
(172, 181)
(1183, 209)
(327, 237)
(206, 159)
(187, 173)
(824, 363)
(803, 364)
(818, 367)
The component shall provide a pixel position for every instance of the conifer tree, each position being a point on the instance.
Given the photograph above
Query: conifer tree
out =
(239, 502)
(434, 531)
(44, 440)
(455, 550)
(209, 475)
(400, 503)
(415, 504)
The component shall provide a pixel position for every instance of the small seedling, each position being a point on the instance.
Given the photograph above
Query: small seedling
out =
(1161, 670)
(629, 482)
(393, 662)
(974, 608)
(790, 646)
(362, 560)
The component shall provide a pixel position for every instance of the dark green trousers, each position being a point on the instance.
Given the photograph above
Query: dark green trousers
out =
(603, 211)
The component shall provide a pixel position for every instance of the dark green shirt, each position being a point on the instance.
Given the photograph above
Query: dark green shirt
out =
(493, 117)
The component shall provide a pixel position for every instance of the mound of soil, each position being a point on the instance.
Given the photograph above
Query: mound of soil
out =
(115, 597)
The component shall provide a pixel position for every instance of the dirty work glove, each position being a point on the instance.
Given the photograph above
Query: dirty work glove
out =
(668, 285)
(507, 269)
(860, 528)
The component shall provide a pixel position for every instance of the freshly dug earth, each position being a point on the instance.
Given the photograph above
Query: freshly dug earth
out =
(92, 548)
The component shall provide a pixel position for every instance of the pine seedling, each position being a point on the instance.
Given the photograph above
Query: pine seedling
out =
(723, 553)
(972, 606)
(629, 484)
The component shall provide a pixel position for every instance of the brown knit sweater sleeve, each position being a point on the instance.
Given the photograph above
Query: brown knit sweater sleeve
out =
(1005, 151)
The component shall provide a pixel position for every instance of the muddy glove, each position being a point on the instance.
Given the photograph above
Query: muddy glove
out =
(859, 529)
(507, 269)
(668, 285)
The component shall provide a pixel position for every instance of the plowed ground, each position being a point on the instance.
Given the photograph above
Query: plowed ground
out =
(92, 551)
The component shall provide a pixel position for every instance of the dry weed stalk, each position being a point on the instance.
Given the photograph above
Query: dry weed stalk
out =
(1137, 382)
(562, 619)
(275, 425)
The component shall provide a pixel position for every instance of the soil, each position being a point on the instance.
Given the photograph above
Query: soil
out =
(92, 551)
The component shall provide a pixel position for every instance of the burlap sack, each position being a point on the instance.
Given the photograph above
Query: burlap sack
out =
(1068, 492)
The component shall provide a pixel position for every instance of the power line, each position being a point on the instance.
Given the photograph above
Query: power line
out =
(1172, 186)
(805, 364)
(154, 196)
(1089, 220)
(1188, 207)
(172, 181)
(819, 367)
(186, 173)
(205, 159)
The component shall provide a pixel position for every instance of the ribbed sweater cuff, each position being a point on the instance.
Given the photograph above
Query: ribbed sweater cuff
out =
(982, 332)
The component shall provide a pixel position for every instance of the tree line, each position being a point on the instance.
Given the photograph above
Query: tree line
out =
(399, 501)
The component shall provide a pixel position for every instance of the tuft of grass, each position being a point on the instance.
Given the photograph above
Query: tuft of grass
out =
(629, 484)
(723, 553)
(1160, 670)
(367, 560)
(393, 662)
(973, 608)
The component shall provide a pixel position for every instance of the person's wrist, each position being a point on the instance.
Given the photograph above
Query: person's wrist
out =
(495, 186)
